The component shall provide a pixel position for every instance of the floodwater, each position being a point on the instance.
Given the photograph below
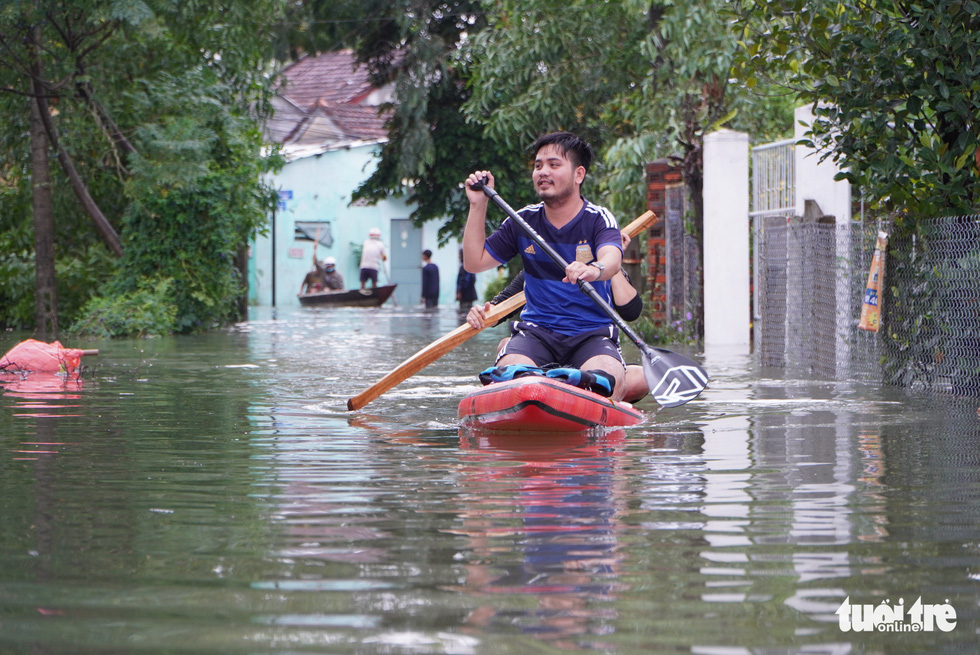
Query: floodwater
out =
(211, 494)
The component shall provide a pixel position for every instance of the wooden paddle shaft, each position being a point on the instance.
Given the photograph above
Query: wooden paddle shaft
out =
(464, 332)
(432, 352)
(642, 222)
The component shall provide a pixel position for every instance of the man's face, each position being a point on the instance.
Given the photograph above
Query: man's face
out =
(554, 176)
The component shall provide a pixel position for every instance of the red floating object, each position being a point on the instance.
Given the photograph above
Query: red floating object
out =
(32, 356)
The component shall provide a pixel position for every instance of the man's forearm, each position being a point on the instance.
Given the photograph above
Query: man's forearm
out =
(475, 238)
(611, 258)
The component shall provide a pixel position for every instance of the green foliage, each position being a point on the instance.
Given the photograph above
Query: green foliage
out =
(895, 86)
(148, 310)
(186, 84)
(651, 92)
(82, 264)
(432, 146)
(548, 65)
(17, 290)
(495, 286)
(205, 201)
(311, 26)
(678, 332)
(81, 274)
(187, 235)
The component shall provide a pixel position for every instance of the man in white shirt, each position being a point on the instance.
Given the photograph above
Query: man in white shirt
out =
(372, 255)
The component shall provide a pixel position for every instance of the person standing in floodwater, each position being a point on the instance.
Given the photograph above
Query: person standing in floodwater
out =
(430, 281)
(465, 286)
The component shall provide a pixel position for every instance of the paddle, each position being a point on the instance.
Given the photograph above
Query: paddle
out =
(432, 352)
(443, 345)
(673, 379)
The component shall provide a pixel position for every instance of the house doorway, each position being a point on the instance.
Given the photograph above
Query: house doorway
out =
(406, 261)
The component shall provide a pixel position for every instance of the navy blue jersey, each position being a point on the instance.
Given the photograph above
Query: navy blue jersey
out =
(558, 306)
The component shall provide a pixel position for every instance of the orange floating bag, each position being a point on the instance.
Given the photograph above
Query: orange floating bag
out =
(32, 356)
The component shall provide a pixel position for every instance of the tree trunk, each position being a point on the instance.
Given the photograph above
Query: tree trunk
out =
(77, 184)
(241, 263)
(44, 271)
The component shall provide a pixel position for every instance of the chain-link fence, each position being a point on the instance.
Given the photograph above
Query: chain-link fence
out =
(932, 335)
(810, 277)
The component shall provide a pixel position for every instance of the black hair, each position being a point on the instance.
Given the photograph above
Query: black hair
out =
(427, 254)
(578, 151)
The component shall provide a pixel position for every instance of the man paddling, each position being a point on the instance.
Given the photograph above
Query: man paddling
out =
(626, 301)
(560, 324)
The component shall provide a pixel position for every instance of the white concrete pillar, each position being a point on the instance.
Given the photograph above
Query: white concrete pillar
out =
(727, 303)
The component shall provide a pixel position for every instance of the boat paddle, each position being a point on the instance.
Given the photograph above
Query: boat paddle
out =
(464, 332)
(673, 379)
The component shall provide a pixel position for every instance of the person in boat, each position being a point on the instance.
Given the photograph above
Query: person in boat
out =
(373, 254)
(324, 276)
(559, 324)
(313, 282)
(626, 301)
(332, 280)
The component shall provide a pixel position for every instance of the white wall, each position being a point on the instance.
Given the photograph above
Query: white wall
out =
(815, 180)
(727, 303)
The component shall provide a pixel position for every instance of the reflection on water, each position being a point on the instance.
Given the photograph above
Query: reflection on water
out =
(41, 395)
(212, 494)
(541, 522)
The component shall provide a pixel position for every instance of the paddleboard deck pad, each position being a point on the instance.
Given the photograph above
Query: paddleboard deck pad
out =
(541, 404)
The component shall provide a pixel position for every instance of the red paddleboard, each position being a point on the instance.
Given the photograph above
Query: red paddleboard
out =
(540, 404)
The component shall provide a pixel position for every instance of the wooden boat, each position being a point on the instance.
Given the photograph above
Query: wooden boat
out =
(541, 404)
(348, 297)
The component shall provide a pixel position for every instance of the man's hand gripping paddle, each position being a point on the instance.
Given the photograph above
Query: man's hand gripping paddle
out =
(673, 379)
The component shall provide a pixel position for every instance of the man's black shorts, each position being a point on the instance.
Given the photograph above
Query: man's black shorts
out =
(544, 346)
(369, 275)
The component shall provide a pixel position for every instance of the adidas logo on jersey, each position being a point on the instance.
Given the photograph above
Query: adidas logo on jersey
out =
(530, 249)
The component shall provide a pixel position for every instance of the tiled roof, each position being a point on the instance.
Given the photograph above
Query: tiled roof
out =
(363, 120)
(331, 77)
(326, 101)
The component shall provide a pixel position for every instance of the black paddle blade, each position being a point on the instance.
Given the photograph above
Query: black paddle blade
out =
(673, 379)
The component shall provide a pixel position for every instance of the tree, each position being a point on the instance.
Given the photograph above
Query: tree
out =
(641, 80)
(146, 103)
(44, 269)
(895, 86)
